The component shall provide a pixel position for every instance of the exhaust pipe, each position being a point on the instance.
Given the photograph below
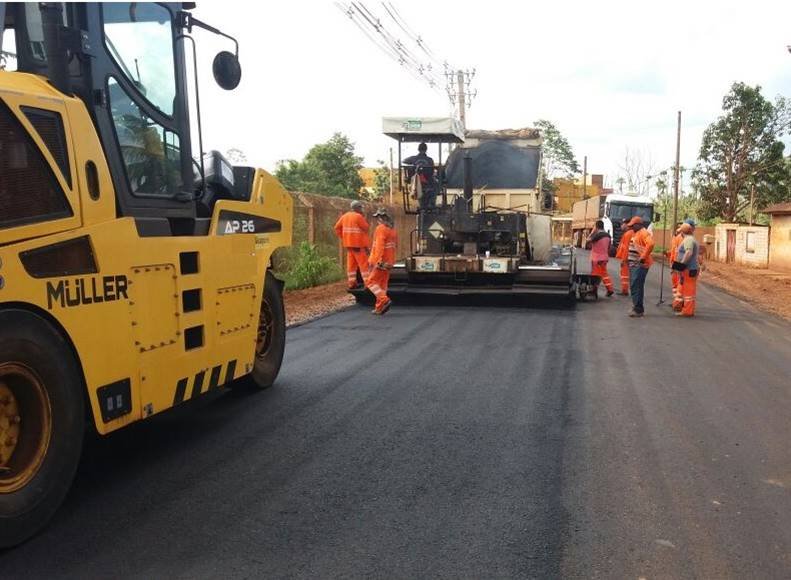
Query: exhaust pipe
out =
(468, 180)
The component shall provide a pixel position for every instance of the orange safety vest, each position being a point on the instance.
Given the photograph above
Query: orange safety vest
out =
(385, 242)
(640, 247)
(352, 229)
(674, 244)
(622, 253)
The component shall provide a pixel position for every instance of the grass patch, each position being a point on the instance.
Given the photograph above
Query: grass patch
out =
(308, 268)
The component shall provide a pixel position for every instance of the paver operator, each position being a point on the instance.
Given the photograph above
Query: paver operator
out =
(640, 247)
(352, 228)
(382, 260)
(422, 166)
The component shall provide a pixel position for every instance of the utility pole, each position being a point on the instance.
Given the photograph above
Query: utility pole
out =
(584, 177)
(391, 176)
(462, 99)
(752, 201)
(676, 175)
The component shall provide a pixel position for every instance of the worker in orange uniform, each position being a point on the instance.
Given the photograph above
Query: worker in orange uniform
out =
(688, 265)
(352, 229)
(382, 260)
(600, 243)
(622, 254)
(678, 237)
(640, 247)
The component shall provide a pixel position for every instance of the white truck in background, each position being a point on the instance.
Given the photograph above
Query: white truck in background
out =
(611, 209)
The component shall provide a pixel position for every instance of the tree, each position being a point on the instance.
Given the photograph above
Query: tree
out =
(557, 160)
(329, 168)
(558, 157)
(382, 179)
(741, 153)
(636, 172)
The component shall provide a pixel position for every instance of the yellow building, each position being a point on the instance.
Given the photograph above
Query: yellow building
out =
(570, 191)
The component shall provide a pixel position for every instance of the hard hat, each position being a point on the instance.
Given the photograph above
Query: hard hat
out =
(382, 212)
(357, 204)
(690, 222)
(635, 220)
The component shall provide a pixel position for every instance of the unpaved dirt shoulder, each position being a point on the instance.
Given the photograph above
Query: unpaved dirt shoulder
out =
(312, 303)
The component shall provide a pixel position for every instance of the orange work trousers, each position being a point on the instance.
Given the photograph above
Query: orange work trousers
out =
(600, 269)
(377, 284)
(688, 293)
(356, 258)
(625, 277)
(674, 282)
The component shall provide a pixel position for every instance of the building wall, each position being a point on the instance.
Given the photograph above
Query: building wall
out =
(570, 191)
(756, 255)
(780, 242)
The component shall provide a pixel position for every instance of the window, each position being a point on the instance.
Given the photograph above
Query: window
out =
(750, 243)
(139, 36)
(29, 192)
(625, 211)
(8, 53)
(151, 153)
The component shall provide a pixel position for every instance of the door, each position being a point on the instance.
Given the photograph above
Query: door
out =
(731, 247)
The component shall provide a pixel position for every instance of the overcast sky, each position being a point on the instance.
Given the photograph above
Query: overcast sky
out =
(610, 75)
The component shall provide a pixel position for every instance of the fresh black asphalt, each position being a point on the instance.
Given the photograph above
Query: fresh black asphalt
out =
(459, 440)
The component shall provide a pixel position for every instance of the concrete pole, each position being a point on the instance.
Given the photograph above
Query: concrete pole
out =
(462, 99)
(677, 172)
(391, 176)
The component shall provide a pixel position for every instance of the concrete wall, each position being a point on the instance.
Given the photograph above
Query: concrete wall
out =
(756, 254)
(780, 242)
(700, 231)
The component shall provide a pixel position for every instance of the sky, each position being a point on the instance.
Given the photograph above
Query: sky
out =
(610, 75)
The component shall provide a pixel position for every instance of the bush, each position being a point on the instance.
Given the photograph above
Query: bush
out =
(309, 268)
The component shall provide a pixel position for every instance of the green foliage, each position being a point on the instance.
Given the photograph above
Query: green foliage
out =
(382, 179)
(558, 156)
(309, 268)
(329, 168)
(742, 150)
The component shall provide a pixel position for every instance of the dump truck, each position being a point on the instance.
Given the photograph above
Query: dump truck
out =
(611, 209)
(484, 235)
(135, 268)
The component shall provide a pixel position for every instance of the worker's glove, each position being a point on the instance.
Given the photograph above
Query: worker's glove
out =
(383, 266)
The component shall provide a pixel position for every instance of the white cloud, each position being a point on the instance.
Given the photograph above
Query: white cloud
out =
(609, 74)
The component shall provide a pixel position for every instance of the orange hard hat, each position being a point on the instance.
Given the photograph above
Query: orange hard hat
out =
(635, 220)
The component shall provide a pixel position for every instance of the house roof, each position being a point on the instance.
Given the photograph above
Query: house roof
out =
(778, 208)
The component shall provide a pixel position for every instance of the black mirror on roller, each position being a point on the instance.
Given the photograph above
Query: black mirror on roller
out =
(227, 70)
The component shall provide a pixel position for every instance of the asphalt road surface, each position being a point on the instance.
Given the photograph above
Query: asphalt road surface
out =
(460, 440)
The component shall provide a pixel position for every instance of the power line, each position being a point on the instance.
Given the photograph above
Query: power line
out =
(437, 74)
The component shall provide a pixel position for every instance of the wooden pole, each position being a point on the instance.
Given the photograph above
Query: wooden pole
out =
(585, 177)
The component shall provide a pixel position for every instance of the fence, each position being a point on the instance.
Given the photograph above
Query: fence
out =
(314, 221)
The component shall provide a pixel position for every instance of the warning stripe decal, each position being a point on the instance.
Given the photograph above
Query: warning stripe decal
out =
(198, 380)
